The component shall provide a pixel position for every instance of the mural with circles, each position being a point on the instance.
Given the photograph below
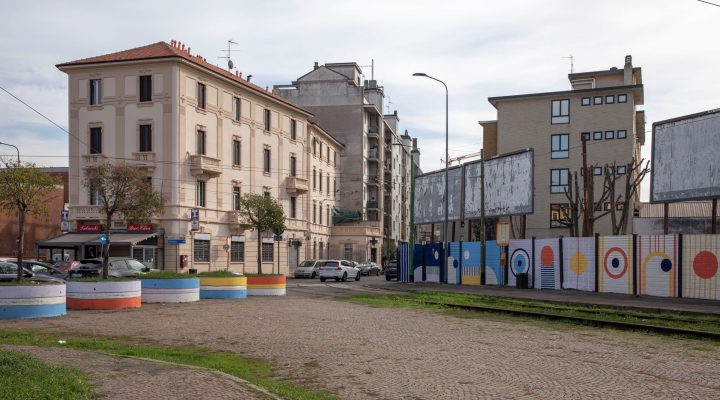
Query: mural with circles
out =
(547, 264)
(493, 270)
(520, 255)
(700, 278)
(471, 263)
(433, 262)
(657, 265)
(615, 262)
(579, 263)
(452, 271)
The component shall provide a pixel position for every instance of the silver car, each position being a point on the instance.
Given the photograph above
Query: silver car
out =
(308, 269)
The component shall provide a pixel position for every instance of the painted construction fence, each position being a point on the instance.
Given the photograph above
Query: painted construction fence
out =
(657, 265)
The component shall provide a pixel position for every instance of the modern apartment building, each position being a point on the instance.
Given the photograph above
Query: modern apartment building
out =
(602, 106)
(205, 136)
(374, 190)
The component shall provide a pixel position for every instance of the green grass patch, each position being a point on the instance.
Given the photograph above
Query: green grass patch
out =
(422, 299)
(164, 275)
(264, 275)
(101, 279)
(217, 274)
(253, 370)
(26, 282)
(23, 376)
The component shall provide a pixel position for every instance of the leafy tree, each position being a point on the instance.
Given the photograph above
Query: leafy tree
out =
(123, 192)
(25, 190)
(263, 213)
(389, 251)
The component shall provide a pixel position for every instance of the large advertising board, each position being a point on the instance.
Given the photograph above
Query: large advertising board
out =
(685, 161)
(430, 192)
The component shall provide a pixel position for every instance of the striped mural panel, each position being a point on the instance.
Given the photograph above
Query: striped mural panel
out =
(657, 265)
(547, 264)
(615, 264)
(471, 263)
(700, 278)
(433, 262)
(404, 262)
(579, 263)
(493, 269)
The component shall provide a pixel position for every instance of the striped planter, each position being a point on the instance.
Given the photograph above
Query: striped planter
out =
(32, 301)
(170, 290)
(266, 285)
(110, 295)
(224, 287)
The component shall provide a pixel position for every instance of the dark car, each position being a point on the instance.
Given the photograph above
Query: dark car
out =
(8, 273)
(66, 265)
(391, 270)
(369, 268)
(118, 267)
(39, 267)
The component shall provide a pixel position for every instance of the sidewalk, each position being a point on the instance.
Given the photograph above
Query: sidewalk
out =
(631, 302)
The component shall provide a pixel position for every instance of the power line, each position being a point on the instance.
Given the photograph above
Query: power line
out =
(707, 2)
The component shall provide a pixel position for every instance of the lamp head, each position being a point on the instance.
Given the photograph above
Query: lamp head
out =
(419, 74)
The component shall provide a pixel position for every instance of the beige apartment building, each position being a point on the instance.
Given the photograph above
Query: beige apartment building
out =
(602, 106)
(205, 136)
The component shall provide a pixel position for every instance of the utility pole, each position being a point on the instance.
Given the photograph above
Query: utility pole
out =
(412, 219)
(586, 214)
(482, 217)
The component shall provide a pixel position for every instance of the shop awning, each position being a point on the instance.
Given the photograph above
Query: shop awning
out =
(127, 239)
(69, 240)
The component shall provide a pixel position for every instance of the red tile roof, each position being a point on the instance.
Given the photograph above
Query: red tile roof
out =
(169, 50)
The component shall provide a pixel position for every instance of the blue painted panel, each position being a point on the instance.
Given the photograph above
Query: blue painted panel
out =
(188, 283)
(45, 310)
(404, 262)
(418, 263)
(493, 270)
(433, 262)
(453, 263)
(223, 294)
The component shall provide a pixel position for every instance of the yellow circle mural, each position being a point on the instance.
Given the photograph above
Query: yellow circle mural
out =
(578, 263)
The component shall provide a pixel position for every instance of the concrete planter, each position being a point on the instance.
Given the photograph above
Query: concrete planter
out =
(223, 287)
(32, 301)
(180, 290)
(266, 285)
(110, 295)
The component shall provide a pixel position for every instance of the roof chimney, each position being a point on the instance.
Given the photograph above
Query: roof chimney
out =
(628, 72)
(316, 65)
(395, 113)
(248, 78)
(414, 143)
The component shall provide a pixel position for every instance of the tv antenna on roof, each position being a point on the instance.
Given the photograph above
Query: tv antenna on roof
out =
(230, 63)
(572, 66)
(388, 105)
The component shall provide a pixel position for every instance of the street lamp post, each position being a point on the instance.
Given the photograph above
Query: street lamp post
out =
(447, 157)
(16, 149)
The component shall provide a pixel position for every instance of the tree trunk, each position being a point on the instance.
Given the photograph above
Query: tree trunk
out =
(21, 245)
(259, 255)
(106, 248)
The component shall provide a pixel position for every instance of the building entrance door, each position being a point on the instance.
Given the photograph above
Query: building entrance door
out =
(292, 258)
(146, 255)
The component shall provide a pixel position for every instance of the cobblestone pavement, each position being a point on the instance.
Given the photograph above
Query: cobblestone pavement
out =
(359, 352)
(124, 378)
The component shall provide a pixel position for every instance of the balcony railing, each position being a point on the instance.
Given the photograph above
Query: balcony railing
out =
(93, 160)
(144, 159)
(86, 212)
(373, 153)
(373, 129)
(204, 166)
(296, 185)
(372, 204)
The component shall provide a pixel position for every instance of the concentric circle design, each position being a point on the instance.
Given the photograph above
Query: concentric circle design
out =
(618, 263)
(519, 262)
(665, 263)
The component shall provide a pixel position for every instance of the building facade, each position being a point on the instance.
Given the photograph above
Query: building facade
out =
(602, 107)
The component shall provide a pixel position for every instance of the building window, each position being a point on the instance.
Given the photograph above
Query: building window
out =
(622, 135)
(609, 135)
(95, 92)
(320, 214)
(597, 135)
(334, 187)
(266, 119)
(266, 160)
(622, 98)
(621, 170)
(145, 88)
(237, 251)
(200, 194)
(335, 158)
(598, 171)
(314, 213)
(200, 143)
(560, 111)
(236, 108)
(236, 152)
(95, 198)
(201, 250)
(585, 101)
(328, 153)
(560, 146)
(610, 99)
(236, 198)
(293, 205)
(201, 95)
(608, 206)
(293, 166)
(559, 180)
(328, 218)
(597, 100)
(95, 140)
(328, 185)
(320, 149)
(585, 135)
(293, 129)
(145, 138)
(314, 179)
(267, 252)
(558, 213)
(320, 181)
(620, 206)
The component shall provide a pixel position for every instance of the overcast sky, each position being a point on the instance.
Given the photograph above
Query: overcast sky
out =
(479, 48)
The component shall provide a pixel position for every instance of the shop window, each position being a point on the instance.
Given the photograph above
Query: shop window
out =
(201, 250)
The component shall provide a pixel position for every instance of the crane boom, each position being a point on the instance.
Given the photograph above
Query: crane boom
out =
(458, 159)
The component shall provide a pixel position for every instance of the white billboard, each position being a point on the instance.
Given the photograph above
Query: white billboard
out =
(508, 186)
(429, 194)
(685, 158)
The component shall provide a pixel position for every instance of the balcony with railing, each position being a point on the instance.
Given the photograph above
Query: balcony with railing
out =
(373, 155)
(372, 204)
(205, 167)
(93, 160)
(296, 185)
(86, 212)
(373, 131)
(144, 160)
(373, 180)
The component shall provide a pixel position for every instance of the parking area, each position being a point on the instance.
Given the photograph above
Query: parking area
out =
(359, 352)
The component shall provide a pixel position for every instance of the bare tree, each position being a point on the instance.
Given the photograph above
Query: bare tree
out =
(572, 214)
(517, 226)
(634, 174)
(589, 203)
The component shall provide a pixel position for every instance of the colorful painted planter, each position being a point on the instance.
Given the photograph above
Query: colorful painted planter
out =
(110, 295)
(223, 287)
(266, 285)
(32, 301)
(182, 290)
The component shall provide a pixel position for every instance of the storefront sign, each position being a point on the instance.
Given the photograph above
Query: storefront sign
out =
(64, 224)
(139, 228)
(89, 228)
(195, 219)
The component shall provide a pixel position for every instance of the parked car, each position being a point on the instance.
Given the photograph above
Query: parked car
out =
(391, 270)
(118, 267)
(8, 273)
(340, 270)
(39, 267)
(308, 269)
(66, 265)
(369, 268)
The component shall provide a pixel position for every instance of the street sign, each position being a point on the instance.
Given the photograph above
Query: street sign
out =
(278, 231)
(195, 219)
(226, 247)
(64, 224)
(278, 238)
(17, 240)
(176, 239)
(502, 233)
(103, 239)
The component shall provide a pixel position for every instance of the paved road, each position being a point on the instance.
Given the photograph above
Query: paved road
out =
(360, 352)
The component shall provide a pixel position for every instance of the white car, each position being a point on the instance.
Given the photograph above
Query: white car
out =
(308, 269)
(340, 270)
